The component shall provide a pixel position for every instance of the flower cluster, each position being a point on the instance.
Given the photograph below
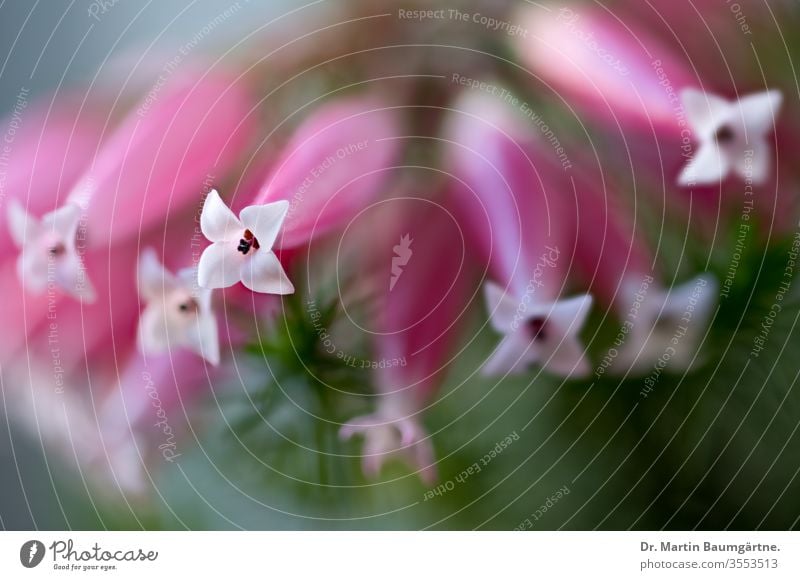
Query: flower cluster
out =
(492, 225)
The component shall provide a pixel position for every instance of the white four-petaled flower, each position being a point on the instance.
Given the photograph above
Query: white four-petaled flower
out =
(48, 254)
(241, 248)
(543, 334)
(178, 312)
(666, 326)
(732, 136)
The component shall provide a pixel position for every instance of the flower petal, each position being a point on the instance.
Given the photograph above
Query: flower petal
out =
(502, 308)
(511, 356)
(203, 337)
(571, 313)
(265, 221)
(382, 441)
(153, 279)
(758, 113)
(153, 335)
(32, 270)
(262, 272)
(63, 222)
(755, 166)
(656, 333)
(220, 265)
(709, 165)
(569, 359)
(70, 275)
(217, 221)
(704, 111)
(188, 278)
(21, 224)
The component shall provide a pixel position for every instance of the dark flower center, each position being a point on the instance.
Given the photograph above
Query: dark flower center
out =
(189, 306)
(724, 135)
(536, 327)
(247, 242)
(57, 249)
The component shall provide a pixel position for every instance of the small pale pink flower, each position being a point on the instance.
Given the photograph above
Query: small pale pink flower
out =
(664, 324)
(616, 263)
(178, 312)
(241, 248)
(545, 334)
(48, 254)
(732, 136)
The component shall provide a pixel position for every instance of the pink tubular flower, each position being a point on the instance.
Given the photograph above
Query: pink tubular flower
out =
(664, 115)
(521, 229)
(424, 293)
(154, 164)
(48, 148)
(120, 421)
(192, 130)
(615, 74)
(332, 167)
(51, 144)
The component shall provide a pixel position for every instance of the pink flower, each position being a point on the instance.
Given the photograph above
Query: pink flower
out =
(656, 109)
(50, 147)
(142, 420)
(156, 162)
(423, 289)
(657, 322)
(241, 248)
(732, 136)
(613, 73)
(521, 228)
(178, 312)
(333, 166)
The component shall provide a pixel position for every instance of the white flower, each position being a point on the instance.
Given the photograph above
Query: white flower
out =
(242, 247)
(386, 437)
(48, 254)
(543, 334)
(665, 326)
(178, 312)
(732, 136)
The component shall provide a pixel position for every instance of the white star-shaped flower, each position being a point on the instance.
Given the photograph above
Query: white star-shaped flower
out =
(385, 438)
(732, 136)
(242, 247)
(178, 312)
(48, 255)
(543, 334)
(667, 325)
